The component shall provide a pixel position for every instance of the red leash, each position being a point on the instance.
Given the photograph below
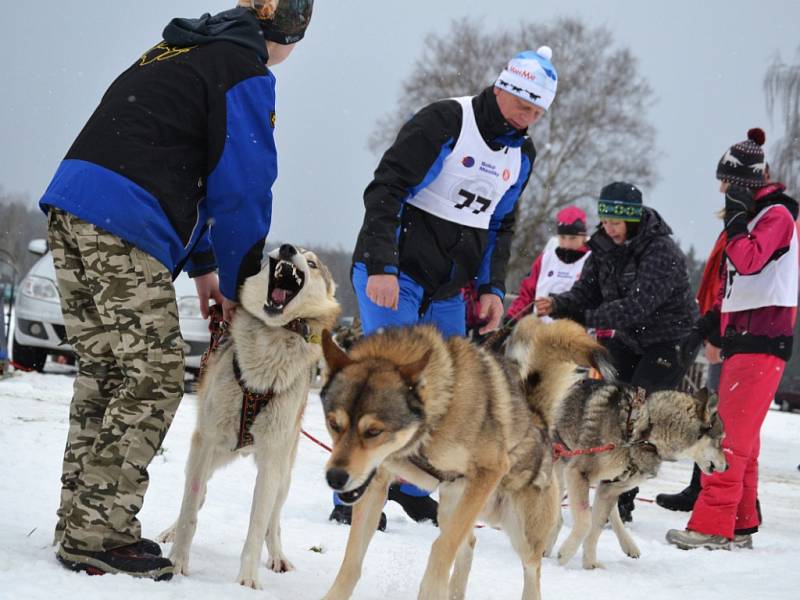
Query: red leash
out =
(315, 440)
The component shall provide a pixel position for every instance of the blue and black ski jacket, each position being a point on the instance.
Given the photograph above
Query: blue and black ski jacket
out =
(440, 255)
(179, 157)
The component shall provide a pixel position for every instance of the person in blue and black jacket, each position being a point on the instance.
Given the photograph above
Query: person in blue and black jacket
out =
(173, 171)
(440, 213)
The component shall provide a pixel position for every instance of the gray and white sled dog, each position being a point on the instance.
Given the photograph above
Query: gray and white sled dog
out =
(273, 342)
(645, 431)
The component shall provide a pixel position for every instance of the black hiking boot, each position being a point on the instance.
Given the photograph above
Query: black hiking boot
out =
(626, 505)
(684, 500)
(126, 559)
(146, 546)
(419, 508)
(343, 513)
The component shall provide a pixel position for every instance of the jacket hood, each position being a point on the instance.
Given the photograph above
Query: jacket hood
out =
(238, 25)
(774, 194)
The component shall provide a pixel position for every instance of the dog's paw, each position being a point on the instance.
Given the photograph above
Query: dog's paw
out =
(279, 564)
(180, 564)
(633, 551)
(592, 564)
(167, 536)
(565, 553)
(251, 582)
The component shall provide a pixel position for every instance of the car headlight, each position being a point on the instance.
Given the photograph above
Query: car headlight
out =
(40, 288)
(189, 307)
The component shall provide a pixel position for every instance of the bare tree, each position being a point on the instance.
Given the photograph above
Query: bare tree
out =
(596, 131)
(782, 88)
(339, 262)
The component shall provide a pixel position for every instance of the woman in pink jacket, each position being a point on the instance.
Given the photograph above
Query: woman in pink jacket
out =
(755, 315)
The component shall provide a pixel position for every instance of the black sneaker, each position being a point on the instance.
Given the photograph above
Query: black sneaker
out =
(343, 513)
(419, 508)
(126, 559)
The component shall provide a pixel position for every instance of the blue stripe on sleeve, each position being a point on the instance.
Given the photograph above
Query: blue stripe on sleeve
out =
(239, 197)
(503, 209)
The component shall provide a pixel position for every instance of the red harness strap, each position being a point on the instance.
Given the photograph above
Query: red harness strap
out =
(560, 450)
(252, 402)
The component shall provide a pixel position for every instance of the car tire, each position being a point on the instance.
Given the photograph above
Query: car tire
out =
(28, 357)
(785, 406)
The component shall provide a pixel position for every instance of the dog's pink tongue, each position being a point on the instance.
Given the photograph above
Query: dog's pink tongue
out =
(279, 296)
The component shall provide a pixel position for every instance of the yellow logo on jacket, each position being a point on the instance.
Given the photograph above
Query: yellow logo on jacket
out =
(163, 51)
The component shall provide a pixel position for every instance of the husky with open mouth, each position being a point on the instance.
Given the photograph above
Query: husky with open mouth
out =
(252, 397)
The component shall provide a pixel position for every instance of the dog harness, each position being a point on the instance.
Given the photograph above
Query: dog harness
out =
(560, 449)
(252, 402)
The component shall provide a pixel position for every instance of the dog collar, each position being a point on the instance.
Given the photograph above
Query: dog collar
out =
(301, 328)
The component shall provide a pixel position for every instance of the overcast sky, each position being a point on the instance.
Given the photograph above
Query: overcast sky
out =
(704, 60)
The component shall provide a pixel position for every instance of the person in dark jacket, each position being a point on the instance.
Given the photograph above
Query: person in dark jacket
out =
(752, 323)
(173, 171)
(440, 211)
(634, 290)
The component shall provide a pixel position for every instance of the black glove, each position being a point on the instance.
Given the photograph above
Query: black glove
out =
(739, 205)
(690, 347)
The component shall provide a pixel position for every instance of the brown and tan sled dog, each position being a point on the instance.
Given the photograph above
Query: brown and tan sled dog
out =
(408, 403)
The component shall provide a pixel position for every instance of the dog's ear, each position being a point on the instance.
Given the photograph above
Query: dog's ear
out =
(708, 402)
(712, 405)
(600, 360)
(335, 357)
(412, 371)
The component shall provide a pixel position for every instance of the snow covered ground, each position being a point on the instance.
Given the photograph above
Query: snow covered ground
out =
(33, 425)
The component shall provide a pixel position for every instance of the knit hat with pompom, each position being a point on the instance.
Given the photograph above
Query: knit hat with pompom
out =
(743, 163)
(531, 76)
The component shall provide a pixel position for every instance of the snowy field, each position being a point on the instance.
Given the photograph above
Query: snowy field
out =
(33, 425)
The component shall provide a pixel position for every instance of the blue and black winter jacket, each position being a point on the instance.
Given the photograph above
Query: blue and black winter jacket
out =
(179, 157)
(440, 255)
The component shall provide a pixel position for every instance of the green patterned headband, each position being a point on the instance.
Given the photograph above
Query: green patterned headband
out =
(619, 210)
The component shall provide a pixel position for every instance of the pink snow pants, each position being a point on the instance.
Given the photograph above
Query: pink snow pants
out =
(727, 501)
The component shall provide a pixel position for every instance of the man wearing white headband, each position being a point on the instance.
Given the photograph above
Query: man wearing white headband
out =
(440, 210)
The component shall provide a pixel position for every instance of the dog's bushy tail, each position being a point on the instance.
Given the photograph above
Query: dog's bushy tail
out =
(547, 355)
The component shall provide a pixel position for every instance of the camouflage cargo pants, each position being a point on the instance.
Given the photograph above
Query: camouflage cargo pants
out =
(122, 320)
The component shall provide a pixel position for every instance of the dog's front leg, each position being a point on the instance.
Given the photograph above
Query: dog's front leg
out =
(366, 515)
(449, 494)
(454, 532)
(276, 560)
(198, 471)
(272, 469)
(626, 542)
(604, 500)
(578, 494)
